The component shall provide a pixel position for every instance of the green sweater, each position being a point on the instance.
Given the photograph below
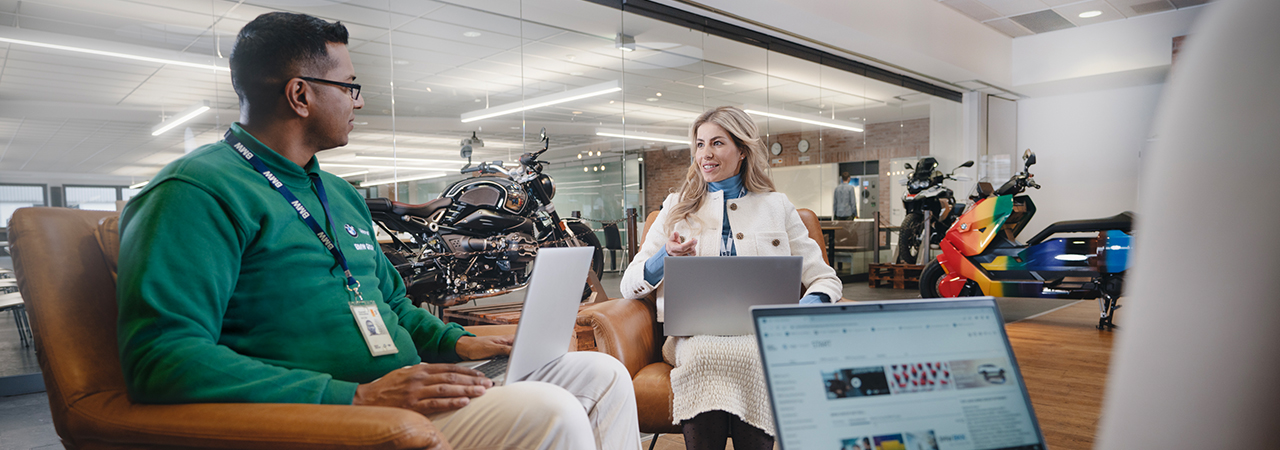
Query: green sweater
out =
(227, 296)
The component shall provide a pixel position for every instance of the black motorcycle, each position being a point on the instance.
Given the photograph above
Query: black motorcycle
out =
(925, 192)
(480, 237)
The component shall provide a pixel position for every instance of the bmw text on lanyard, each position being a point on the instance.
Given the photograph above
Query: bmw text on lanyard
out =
(352, 284)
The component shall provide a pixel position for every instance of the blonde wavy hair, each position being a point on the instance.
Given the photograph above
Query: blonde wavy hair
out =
(754, 168)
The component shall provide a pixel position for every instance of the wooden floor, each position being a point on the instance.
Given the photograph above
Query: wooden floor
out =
(1064, 362)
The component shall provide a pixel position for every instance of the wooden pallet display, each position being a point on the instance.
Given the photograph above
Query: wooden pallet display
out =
(509, 313)
(897, 276)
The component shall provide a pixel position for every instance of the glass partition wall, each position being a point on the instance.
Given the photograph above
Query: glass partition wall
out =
(615, 91)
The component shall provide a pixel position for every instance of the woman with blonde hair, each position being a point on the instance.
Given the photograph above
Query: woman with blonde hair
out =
(727, 206)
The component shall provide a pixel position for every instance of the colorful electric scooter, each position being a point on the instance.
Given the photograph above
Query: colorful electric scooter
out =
(981, 256)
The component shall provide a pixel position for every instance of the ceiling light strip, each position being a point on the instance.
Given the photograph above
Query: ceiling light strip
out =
(182, 117)
(400, 180)
(642, 137)
(352, 174)
(369, 166)
(794, 117)
(393, 158)
(114, 54)
(546, 100)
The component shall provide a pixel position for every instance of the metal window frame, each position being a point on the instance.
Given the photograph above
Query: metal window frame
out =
(682, 18)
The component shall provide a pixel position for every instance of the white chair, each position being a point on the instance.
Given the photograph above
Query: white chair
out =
(13, 302)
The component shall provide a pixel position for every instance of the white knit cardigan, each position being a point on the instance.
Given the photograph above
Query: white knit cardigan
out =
(724, 372)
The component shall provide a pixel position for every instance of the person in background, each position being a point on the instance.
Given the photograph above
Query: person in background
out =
(846, 199)
(249, 275)
(727, 206)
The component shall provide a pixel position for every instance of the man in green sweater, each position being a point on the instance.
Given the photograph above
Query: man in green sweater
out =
(242, 265)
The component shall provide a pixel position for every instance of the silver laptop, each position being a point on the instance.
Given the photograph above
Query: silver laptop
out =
(547, 318)
(919, 375)
(711, 295)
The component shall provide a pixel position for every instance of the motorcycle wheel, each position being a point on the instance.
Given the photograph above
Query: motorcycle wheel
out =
(588, 237)
(909, 239)
(929, 279)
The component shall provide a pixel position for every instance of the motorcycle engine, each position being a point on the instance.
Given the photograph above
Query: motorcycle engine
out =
(458, 268)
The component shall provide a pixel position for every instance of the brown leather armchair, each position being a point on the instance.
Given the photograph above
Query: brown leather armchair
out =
(627, 330)
(64, 259)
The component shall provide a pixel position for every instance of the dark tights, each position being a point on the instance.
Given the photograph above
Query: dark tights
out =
(710, 430)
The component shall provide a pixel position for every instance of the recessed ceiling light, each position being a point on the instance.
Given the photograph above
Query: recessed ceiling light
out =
(515, 128)
(477, 100)
(659, 94)
(610, 102)
(402, 62)
(727, 83)
(471, 34)
(701, 86)
(1088, 14)
(652, 99)
(577, 112)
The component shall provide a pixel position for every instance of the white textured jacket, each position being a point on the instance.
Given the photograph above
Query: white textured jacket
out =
(762, 224)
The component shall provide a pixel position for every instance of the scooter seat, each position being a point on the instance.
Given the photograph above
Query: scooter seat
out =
(1122, 222)
(422, 210)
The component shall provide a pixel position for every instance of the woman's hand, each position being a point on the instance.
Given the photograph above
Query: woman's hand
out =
(677, 246)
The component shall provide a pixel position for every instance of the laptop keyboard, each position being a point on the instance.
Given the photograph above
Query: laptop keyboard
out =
(495, 367)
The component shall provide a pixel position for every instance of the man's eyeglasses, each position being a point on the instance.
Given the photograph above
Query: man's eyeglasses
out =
(355, 88)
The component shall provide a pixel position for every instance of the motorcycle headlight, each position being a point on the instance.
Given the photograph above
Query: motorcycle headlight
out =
(548, 185)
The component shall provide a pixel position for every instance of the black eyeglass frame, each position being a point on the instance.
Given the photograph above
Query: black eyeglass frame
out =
(355, 88)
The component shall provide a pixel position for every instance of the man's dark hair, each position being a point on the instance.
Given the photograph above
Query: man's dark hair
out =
(278, 46)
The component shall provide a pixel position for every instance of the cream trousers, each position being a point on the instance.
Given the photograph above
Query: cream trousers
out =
(584, 400)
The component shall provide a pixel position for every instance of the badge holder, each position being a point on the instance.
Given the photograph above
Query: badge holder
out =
(370, 323)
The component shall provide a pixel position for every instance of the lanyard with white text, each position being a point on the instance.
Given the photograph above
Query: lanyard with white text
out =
(352, 284)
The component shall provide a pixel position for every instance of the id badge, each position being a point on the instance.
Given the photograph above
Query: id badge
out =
(373, 329)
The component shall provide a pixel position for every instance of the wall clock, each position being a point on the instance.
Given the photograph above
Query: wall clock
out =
(804, 146)
(776, 148)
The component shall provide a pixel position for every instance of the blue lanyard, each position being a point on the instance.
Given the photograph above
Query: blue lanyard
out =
(352, 284)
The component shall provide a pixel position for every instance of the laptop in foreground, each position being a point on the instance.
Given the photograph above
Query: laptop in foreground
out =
(547, 317)
(712, 295)
(918, 375)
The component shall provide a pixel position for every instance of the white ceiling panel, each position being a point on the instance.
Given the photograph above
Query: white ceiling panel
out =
(1072, 12)
(973, 8)
(1015, 7)
(1005, 10)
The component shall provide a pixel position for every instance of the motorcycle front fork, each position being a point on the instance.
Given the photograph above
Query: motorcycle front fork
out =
(1108, 304)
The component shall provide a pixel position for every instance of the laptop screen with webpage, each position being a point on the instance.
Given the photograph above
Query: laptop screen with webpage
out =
(917, 375)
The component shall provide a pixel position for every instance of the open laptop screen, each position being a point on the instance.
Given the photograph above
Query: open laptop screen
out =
(924, 375)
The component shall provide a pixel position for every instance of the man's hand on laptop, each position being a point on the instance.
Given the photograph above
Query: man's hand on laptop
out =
(425, 388)
(678, 246)
(471, 348)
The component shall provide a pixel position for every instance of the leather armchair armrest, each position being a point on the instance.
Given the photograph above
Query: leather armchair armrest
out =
(112, 420)
(624, 329)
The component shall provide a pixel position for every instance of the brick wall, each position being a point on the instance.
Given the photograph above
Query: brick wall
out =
(665, 170)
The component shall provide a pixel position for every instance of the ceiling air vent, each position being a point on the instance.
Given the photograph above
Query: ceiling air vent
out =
(1152, 7)
(1043, 21)
(1188, 3)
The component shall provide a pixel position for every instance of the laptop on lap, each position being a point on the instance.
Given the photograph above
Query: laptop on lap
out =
(547, 318)
(712, 295)
(918, 375)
